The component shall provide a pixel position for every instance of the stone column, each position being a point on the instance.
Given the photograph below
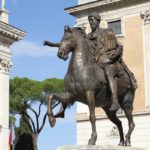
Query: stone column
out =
(146, 39)
(8, 35)
(4, 101)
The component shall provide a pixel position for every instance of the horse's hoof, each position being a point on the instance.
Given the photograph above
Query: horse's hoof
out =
(127, 144)
(91, 142)
(60, 115)
(52, 121)
(121, 143)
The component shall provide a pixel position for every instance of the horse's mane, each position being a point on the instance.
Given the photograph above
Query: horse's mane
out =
(80, 31)
(83, 34)
(91, 48)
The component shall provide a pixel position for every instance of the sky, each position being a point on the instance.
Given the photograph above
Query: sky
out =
(43, 20)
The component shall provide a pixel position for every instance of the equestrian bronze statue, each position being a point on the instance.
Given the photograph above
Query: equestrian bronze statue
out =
(96, 76)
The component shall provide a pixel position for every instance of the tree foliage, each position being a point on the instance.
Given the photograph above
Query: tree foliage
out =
(53, 85)
(24, 94)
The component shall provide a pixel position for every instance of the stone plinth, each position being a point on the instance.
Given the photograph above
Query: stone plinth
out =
(103, 147)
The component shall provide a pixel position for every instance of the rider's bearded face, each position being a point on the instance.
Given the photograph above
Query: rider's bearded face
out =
(94, 23)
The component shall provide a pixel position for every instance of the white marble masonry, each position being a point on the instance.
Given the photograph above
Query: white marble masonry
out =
(8, 35)
(140, 137)
(102, 147)
(84, 1)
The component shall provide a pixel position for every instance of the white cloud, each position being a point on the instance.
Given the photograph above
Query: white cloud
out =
(26, 48)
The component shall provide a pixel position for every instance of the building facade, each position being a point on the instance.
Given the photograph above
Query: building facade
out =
(130, 19)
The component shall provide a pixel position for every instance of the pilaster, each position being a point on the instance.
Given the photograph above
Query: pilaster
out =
(146, 36)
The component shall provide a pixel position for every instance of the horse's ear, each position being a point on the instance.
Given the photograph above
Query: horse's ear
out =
(67, 28)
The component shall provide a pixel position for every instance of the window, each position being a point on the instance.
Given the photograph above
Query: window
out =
(115, 26)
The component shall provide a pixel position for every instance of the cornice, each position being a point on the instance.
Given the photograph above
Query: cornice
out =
(90, 5)
(11, 32)
(100, 5)
(6, 39)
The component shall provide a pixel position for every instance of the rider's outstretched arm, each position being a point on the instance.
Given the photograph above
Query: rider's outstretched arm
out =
(51, 44)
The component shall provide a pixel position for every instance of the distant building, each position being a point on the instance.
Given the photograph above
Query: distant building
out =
(8, 35)
(130, 19)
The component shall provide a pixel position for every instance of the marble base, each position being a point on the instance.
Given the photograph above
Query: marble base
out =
(103, 147)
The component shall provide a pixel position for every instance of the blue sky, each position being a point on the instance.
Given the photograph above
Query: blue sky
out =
(42, 20)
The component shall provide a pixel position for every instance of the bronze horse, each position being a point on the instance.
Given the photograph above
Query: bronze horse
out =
(85, 82)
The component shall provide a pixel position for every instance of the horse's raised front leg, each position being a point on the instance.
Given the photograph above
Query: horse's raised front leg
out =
(112, 116)
(61, 113)
(65, 98)
(90, 95)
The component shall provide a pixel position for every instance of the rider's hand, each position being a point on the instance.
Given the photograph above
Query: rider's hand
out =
(45, 43)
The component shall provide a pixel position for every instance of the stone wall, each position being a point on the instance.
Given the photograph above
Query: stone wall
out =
(108, 135)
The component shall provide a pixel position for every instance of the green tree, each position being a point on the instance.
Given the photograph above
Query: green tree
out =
(53, 85)
(26, 93)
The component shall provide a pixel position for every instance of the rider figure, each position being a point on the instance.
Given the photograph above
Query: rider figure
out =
(107, 54)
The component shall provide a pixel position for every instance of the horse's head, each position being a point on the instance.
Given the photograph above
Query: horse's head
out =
(67, 43)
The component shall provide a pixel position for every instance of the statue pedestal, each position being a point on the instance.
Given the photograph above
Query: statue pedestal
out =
(103, 147)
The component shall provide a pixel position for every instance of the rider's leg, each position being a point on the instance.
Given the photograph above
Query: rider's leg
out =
(111, 74)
